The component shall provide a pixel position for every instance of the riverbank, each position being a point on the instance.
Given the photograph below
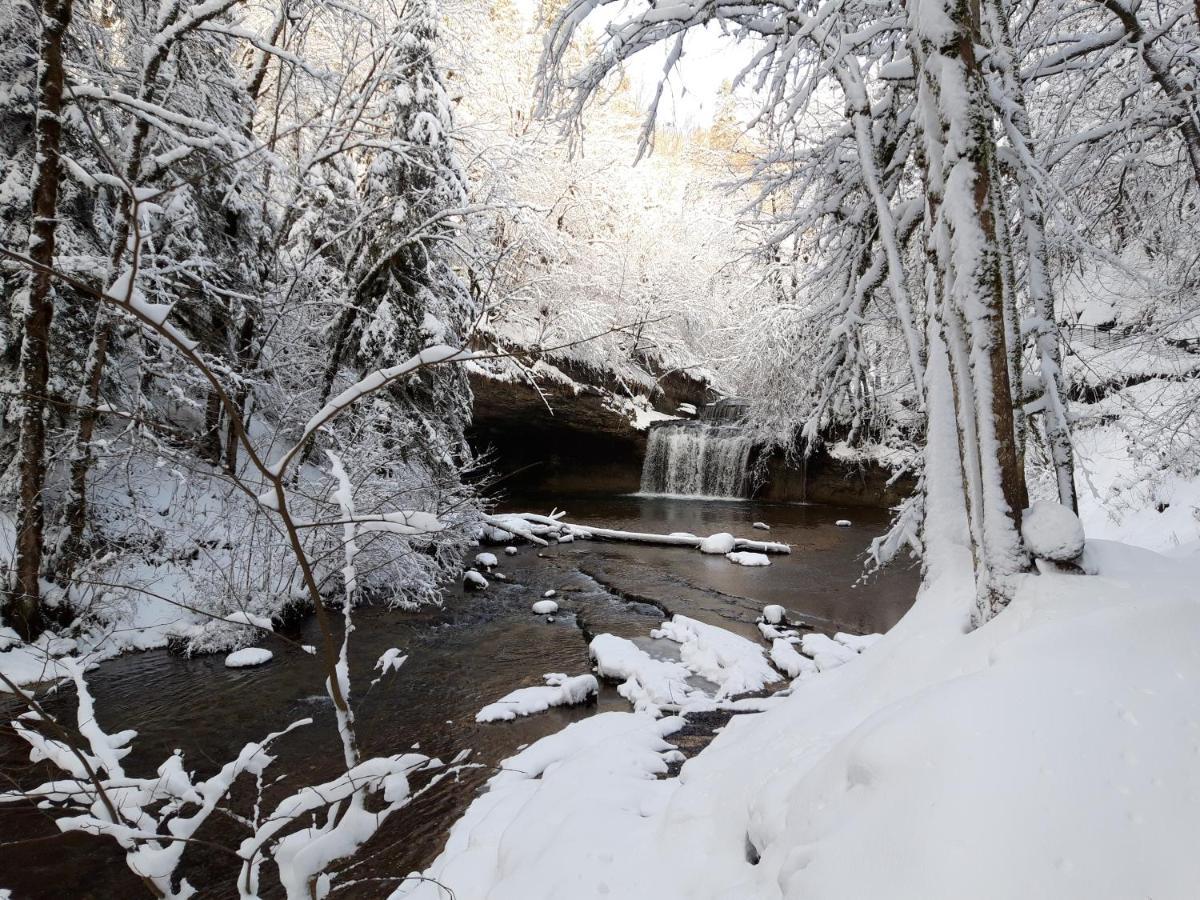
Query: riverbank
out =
(462, 656)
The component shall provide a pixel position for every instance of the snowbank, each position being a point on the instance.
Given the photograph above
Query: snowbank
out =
(1049, 754)
(559, 690)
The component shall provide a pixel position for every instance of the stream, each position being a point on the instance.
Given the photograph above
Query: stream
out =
(471, 651)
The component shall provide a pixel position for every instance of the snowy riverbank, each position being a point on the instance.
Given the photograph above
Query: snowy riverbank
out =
(1050, 753)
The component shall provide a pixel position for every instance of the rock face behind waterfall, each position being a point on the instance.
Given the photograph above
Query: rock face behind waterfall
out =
(695, 459)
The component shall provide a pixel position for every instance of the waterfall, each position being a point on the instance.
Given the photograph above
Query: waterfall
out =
(696, 460)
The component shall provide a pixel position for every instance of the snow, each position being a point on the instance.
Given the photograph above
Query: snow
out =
(1048, 753)
(473, 579)
(745, 558)
(242, 617)
(730, 661)
(826, 652)
(247, 657)
(788, 661)
(510, 551)
(487, 560)
(761, 526)
(549, 593)
(722, 543)
(545, 607)
(568, 790)
(857, 642)
(649, 684)
(1051, 531)
(559, 690)
(842, 523)
(774, 614)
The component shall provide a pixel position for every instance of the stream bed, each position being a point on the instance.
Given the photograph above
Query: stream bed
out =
(463, 655)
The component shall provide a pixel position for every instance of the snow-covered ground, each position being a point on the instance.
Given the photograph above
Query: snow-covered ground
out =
(1051, 753)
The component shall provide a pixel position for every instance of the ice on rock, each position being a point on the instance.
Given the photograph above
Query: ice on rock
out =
(720, 543)
(761, 526)
(1051, 531)
(473, 579)
(825, 651)
(774, 614)
(746, 558)
(487, 560)
(247, 657)
(559, 690)
(545, 607)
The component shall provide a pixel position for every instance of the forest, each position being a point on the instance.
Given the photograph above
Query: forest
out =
(625, 449)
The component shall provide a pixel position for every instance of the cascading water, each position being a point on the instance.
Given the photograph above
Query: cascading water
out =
(694, 459)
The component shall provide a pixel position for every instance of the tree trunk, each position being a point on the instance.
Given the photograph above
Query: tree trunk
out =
(23, 609)
(245, 359)
(966, 292)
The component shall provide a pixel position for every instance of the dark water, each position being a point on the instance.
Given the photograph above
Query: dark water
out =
(462, 656)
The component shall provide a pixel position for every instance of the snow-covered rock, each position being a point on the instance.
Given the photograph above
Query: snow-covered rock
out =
(729, 660)
(720, 543)
(247, 657)
(825, 651)
(843, 523)
(473, 579)
(545, 607)
(746, 558)
(510, 551)
(774, 614)
(788, 661)
(1051, 531)
(550, 593)
(559, 690)
(647, 683)
(487, 560)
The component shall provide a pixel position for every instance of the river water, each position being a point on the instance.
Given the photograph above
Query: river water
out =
(467, 653)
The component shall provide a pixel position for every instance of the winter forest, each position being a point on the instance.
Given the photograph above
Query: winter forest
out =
(624, 449)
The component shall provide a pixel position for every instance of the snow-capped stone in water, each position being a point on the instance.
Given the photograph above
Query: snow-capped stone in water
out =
(746, 558)
(510, 551)
(473, 579)
(500, 576)
(842, 523)
(550, 593)
(487, 560)
(721, 543)
(761, 526)
(774, 614)
(545, 607)
(247, 657)
(1051, 531)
